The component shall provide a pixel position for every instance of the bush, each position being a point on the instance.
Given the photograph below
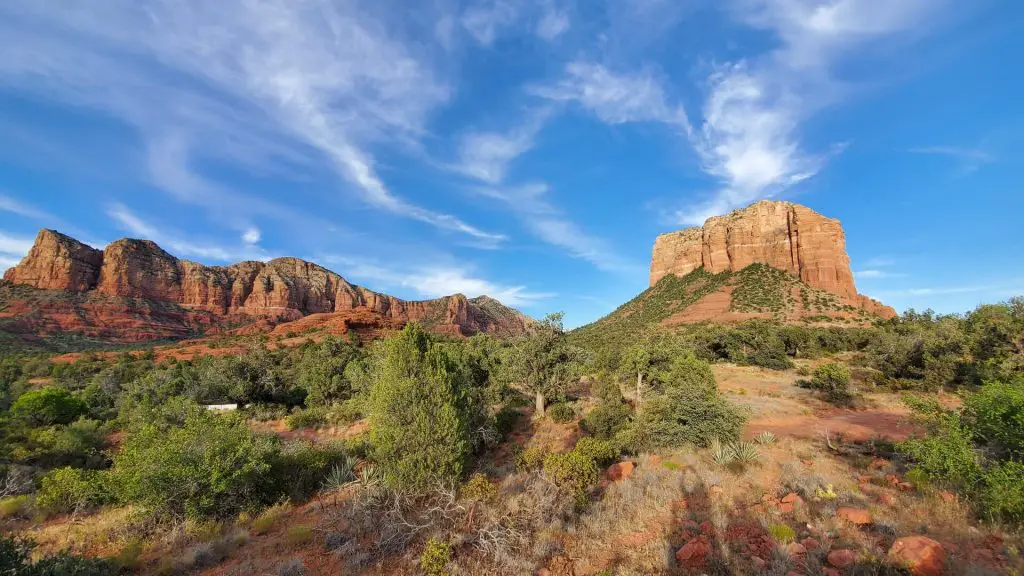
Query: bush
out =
(15, 506)
(607, 419)
(782, 533)
(561, 412)
(1002, 497)
(16, 559)
(68, 489)
(572, 471)
(478, 487)
(435, 557)
(48, 406)
(601, 452)
(531, 458)
(834, 380)
(995, 415)
(299, 469)
(308, 418)
(688, 410)
(213, 465)
(420, 412)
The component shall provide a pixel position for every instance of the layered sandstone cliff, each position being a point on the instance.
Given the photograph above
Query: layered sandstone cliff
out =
(783, 235)
(283, 289)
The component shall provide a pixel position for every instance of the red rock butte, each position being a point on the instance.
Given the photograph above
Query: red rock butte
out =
(782, 235)
(281, 290)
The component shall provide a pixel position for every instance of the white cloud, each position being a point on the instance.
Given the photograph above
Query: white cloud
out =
(434, 281)
(15, 245)
(274, 82)
(750, 139)
(874, 273)
(176, 244)
(971, 159)
(8, 204)
(553, 24)
(615, 98)
(251, 236)
(486, 20)
(486, 156)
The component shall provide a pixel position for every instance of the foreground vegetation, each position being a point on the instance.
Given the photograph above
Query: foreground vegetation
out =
(433, 473)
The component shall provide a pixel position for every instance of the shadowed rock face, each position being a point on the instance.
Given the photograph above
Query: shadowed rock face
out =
(782, 235)
(283, 289)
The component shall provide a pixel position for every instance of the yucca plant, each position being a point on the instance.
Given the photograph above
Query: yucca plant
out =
(722, 454)
(370, 475)
(341, 474)
(745, 452)
(765, 438)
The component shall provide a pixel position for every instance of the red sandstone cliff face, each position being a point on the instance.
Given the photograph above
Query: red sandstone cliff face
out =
(782, 235)
(281, 290)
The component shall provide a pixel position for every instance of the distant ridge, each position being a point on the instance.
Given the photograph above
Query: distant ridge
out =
(133, 290)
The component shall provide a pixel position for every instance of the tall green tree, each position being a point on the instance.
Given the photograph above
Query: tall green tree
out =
(648, 361)
(544, 362)
(420, 411)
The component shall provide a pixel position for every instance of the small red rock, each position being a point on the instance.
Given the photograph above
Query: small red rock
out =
(810, 543)
(832, 572)
(694, 553)
(858, 516)
(878, 463)
(892, 479)
(919, 554)
(906, 486)
(620, 471)
(863, 479)
(796, 549)
(707, 528)
(886, 498)
(842, 558)
(947, 496)
(791, 498)
(759, 563)
(786, 508)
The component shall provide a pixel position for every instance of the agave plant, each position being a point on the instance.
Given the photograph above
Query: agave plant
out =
(341, 474)
(765, 438)
(370, 475)
(722, 454)
(745, 452)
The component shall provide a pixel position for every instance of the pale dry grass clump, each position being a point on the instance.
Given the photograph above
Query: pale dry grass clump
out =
(629, 526)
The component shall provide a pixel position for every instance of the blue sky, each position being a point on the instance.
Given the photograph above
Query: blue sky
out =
(526, 149)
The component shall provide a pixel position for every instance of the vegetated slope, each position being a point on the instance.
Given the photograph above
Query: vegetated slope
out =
(757, 291)
(134, 291)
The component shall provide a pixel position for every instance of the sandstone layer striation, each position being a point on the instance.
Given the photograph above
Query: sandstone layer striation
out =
(782, 235)
(183, 297)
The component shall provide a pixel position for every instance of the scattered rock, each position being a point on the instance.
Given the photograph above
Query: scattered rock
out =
(886, 498)
(842, 558)
(620, 471)
(877, 464)
(706, 527)
(694, 554)
(759, 563)
(832, 572)
(810, 543)
(905, 486)
(792, 498)
(858, 516)
(786, 508)
(919, 554)
(892, 479)
(796, 549)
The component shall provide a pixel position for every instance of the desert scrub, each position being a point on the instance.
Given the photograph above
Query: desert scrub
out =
(308, 418)
(601, 452)
(478, 487)
(833, 379)
(15, 506)
(765, 438)
(69, 489)
(561, 412)
(531, 457)
(299, 535)
(435, 557)
(573, 472)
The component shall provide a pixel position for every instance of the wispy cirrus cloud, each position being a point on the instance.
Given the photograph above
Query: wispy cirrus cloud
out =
(434, 280)
(12, 249)
(278, 82)
(177, 244)
(971, 159)
(9, 204)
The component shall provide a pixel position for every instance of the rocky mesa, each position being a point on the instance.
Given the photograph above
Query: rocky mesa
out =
(782, 235)
(136, 279)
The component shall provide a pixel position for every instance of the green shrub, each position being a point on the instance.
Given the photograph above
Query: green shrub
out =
(531, 457)
(435, 557)
(15, 506)
(995, 415)
(946, 455)
(1002, 495)
(688, 410)
(213, 465)
(420, 412)
(68, 489)
(299, 469)
(601, 452)
(48, 406)
(299, 535)
(308, 418)
(607, 419)
(833, 379)
(478, 487)
(16, 560)
(782, 533)
(572, 471)
(561, 412)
